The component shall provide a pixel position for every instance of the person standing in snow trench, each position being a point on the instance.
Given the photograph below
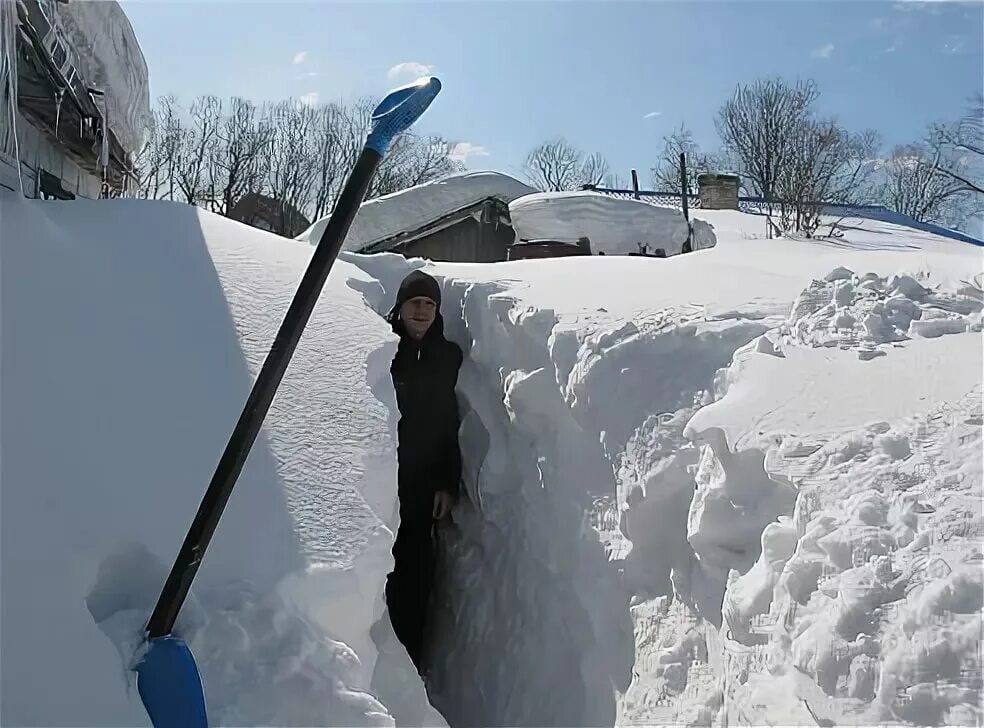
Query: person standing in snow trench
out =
(425, 374)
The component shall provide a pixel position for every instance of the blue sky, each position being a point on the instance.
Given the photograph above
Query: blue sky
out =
(611, 76)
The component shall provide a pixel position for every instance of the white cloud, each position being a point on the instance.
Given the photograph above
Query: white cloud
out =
(932, 6)
(652, 114)
(461, 151)
(310, 98)
(308, 74)
(824, 51)
(410, 69)
(299, 58)
(954, 44)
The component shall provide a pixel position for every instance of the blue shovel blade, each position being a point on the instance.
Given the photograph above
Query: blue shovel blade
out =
(170, 686)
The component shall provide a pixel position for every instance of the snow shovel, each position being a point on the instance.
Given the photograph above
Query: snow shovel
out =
(167, 677)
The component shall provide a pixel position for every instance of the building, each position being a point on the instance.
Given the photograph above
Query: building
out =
(266, 213)
(613, 225)
(478, 233)
(528, 249)
(74, 98)
(460, 218)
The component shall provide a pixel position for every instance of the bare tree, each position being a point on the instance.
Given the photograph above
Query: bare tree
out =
(292, 166)
(826, 164)
(243, 139)
(148, 162)
(412, 161)
(196, 151)
(615, 181)
(666, 171)
(959, 148)
(914, 186)
(172, 139)
(333, 148)
(558, 165)
(941, 179)
(338, 140)
(593, 170)
(758, 126)
(295, 154)
(156, 162)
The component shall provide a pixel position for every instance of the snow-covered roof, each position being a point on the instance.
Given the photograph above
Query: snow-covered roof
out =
(415, 207)
(94, 47)
(613, 225)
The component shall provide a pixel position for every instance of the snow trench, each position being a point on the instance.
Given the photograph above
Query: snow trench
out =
(619, 559)
(531, 622)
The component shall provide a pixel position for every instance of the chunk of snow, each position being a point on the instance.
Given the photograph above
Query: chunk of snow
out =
(839, 274)
(613, 225)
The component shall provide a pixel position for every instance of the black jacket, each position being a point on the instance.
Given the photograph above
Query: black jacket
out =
(425, 375)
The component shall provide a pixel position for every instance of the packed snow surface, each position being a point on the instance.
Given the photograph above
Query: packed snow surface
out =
(614, 226)
(413, 208)
(736, 486)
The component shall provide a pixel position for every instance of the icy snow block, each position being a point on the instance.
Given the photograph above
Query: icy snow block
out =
(839, 273)
(399, 110)
(170, 686)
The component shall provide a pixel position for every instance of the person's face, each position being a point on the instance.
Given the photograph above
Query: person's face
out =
(418, 314)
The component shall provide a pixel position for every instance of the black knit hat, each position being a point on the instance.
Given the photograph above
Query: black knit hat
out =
(417, 284)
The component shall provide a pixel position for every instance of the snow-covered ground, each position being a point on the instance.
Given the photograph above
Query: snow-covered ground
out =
(675, 385)
(736, 486)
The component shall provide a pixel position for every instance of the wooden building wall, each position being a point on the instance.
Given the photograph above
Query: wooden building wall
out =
(467, 241)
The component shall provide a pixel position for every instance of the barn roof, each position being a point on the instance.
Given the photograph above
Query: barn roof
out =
(418, 207)
(453, 217)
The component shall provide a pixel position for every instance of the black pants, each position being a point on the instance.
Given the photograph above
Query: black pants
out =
(408, 586)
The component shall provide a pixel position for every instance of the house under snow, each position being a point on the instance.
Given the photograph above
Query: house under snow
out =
(611, 225)
(462, 218)
(74, 98)
(486, 217)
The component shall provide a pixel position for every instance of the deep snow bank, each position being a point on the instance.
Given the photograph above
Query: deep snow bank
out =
(533, 626)
(131, 335)
(864, 602)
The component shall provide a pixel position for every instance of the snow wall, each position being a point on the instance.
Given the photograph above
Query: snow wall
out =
(633, 548)
(131, 334)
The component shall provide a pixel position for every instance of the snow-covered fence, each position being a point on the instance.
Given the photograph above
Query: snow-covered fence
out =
(750, 204)
(761, 206)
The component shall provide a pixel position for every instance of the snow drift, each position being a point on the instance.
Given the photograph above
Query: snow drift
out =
(635, 408)
(737, 485)
(131, 335)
